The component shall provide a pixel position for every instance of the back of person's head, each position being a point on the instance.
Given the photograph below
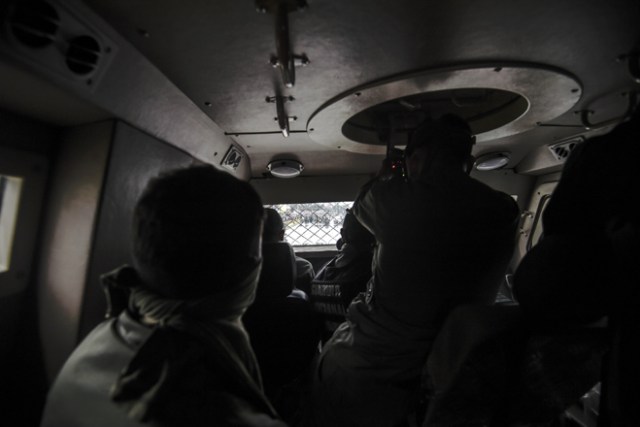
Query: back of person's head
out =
(598, 183)
(273, 226)
(355, 234)
(587, 258)
(196, 231)
(450, 136)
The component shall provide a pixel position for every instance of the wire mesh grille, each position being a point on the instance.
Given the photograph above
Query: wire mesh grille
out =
(312, 224)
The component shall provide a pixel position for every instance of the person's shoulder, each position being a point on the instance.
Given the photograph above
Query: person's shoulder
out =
(385, 183)
(304, 267)
(302, 261)
(490, 192)
(395, 188)
(495, 200)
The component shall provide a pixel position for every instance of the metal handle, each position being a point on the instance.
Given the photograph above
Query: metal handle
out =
(283, 119)
(283, 47)
(633, 61)
(586, 123)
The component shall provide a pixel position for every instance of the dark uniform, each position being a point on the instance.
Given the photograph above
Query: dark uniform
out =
(441, 242)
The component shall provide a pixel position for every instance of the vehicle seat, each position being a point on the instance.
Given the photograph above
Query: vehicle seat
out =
(488, 367)
(278, 273)
(283, 328)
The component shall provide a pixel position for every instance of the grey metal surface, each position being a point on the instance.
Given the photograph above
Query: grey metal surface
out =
(129, 87)
(549, 94)
(29, 95)
(72, 208)
(218, 53)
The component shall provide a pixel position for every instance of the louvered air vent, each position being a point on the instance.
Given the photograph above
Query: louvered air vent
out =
(56, 38)
(83, 55)
(34, 24)
(562, 149)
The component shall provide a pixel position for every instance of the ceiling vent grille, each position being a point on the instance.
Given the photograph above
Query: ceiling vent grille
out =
(562, 150)
(34, 24)
(83, 55)
(57, 39)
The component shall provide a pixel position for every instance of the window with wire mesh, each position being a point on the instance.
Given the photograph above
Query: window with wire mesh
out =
(312, 224)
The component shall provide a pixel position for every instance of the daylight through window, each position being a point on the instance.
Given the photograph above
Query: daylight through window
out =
(9, 199)
(312, 224)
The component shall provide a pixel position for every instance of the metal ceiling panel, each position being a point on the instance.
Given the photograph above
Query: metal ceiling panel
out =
(217, 53)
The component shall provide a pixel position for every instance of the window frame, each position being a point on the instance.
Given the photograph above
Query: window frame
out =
(537, 222)
(33, 169)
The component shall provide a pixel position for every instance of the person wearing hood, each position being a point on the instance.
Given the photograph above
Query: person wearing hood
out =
(442, 239)
(175, 353)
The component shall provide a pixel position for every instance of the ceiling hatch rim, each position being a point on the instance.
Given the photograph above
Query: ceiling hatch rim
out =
(539, 85)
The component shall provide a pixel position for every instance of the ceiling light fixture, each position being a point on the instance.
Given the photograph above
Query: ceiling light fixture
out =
(285, 168)
(492, 161)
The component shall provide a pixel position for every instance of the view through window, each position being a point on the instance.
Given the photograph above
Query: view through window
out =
(9, 198)
(312, 224)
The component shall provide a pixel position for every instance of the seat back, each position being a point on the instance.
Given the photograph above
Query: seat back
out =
(278, 273)
(284, 335)
(281, 323)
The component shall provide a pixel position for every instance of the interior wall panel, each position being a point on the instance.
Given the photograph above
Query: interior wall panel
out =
(71, 209)
(26, 147)
(135, 158)
(316, 189)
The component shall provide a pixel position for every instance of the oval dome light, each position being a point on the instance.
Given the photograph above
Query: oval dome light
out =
(492, 161)
(285, 168)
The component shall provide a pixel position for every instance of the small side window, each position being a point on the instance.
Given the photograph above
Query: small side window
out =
(537, 230)
(10, 188)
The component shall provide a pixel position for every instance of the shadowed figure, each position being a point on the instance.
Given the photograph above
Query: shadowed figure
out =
(176, 352)
(586, 266)
(274, 232)
(344, 276)
(525, 365)
(442, 239)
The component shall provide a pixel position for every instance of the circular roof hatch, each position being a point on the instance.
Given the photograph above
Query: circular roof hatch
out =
(497, 101)
(484, 109)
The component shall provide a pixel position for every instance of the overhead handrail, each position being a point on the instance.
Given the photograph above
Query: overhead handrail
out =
(282, 118)
(632, 98)
(284, 58)
(586, 123)
(633, 62)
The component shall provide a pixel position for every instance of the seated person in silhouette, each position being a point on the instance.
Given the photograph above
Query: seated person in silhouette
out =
(492, 364)
(274, 232)
(178, 355)
(282, 325)
(344, 276)
(586, 265)
(443, 239)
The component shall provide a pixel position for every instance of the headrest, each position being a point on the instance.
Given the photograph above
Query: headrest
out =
(278, 274)
(273, 225)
